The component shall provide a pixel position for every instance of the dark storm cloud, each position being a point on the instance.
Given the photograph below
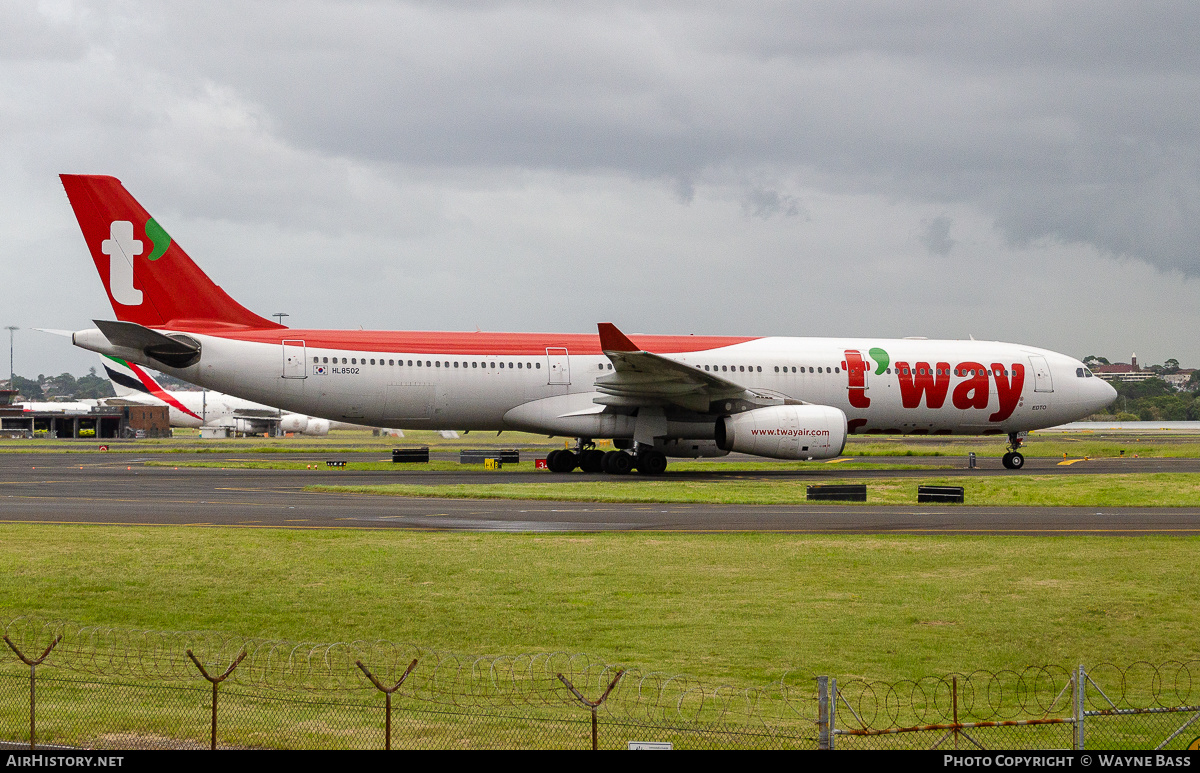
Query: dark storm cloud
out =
(1070, 121)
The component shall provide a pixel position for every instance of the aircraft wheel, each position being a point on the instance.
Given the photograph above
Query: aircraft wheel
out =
(591, 461)
(618, 463)
(1014, 460)
(561, 460)
(652, 463)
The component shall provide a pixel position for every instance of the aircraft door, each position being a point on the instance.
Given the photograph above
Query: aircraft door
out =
(558, 365)
(1042, 382)
(295, 365)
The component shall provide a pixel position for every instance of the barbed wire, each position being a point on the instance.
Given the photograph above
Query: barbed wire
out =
(1035, 692)
(490, 681)
(441, 678)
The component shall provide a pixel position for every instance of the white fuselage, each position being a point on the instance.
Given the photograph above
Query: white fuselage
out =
(979, 387)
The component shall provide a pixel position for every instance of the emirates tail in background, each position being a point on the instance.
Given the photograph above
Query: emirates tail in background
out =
(654, 396)
(194, 409)
(168, 289)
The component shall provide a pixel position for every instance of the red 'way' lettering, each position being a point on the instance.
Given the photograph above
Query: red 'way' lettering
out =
(922, 380)
(1008, 391)
(856, 369)
(972, 393)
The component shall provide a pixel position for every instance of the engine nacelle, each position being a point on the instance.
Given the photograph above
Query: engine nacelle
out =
(785, 432)
(317, 427)
(306, 425)
(294, 422)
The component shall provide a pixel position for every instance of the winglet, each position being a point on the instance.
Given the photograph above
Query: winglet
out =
(613, 340)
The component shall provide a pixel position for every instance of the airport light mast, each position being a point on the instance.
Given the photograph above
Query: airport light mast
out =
(11, 329)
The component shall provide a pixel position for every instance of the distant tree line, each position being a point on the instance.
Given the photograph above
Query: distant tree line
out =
(1153, 400)
(63, 387)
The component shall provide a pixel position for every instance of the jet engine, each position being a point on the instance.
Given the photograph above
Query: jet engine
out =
(295, 422)
(785, 432)
(317, 427)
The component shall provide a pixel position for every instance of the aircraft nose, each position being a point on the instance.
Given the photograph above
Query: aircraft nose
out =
(1103, 393)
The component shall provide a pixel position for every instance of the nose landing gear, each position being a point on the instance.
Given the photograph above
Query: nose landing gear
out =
(1014, 459)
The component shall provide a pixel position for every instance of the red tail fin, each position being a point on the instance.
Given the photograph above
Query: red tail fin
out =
(150, 280)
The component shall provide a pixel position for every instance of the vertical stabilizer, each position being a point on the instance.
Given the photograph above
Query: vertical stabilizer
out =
(150, 280)
(132, 381)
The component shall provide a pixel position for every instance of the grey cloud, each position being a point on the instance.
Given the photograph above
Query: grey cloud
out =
(937, 235)
(765, 203)
(1061, 123)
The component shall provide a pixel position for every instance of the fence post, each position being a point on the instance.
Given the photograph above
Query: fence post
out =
(33, 664)
(954, 698)
(824, 736)
(1080, 702)
(215, 681)
(387, 744)
(593, 705)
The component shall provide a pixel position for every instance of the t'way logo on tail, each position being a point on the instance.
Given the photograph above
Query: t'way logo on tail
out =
(121, 248)
(126, 246)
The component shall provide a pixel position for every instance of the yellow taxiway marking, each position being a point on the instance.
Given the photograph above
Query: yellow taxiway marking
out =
(1069, 462)
(838, 461)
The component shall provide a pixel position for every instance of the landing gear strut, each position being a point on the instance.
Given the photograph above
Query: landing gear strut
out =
(1014, 459)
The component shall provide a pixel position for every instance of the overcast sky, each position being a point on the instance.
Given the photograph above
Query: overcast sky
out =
(1022, 171)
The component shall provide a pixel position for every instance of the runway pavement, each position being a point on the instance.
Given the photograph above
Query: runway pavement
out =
(119, 489)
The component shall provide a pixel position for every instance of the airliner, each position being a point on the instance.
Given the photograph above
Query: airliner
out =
(654, 396)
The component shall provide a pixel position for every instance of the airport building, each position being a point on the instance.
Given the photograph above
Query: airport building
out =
(105, 421)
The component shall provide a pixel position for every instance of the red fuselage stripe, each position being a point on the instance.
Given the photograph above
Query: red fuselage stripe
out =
(418, 342)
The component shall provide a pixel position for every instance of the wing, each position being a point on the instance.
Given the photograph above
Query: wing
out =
(642, 378)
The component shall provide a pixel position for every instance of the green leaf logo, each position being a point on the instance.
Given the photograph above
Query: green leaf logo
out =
(161, 239)
(882, 359)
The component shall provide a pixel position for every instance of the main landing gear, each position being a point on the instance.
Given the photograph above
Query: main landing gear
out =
(587, 458)
(1014, 459)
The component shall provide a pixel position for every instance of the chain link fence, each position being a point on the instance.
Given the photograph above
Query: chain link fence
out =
(119, 688)
(116, 688)
(1138, 706)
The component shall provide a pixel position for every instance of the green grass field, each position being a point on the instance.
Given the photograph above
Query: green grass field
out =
(739, 608)
(1046, 444)
(1134, 490)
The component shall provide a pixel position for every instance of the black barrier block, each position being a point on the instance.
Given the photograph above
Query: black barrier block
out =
(848, 493)
(410, 455)
(477, 455)
(944, 494)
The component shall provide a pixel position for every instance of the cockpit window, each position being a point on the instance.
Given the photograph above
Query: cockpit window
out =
(1079, 373)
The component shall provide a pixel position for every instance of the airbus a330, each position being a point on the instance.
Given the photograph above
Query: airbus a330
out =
(654, 396)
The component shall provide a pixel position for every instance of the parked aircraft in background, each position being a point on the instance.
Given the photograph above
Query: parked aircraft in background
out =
(72, 408)
(204, 408)
(654, 396)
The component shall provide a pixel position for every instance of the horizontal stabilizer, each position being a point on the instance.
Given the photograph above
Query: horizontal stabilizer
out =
(177, 351)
